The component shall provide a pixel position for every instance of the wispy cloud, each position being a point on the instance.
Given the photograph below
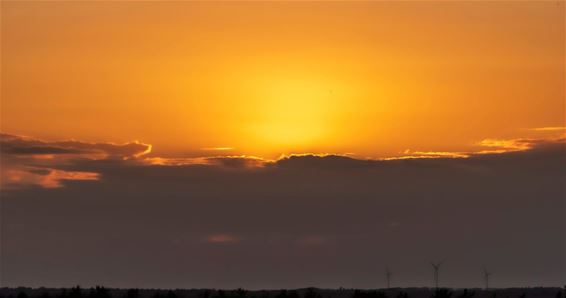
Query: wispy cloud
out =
(513, 145)
(312, 154)
(26, 146)
(506, 145)
(29, 161)
(312, 240)
(222, 238)
(550, 128)
(408, 154)
(486, 146)
(217, 148)
(43, 177)
(229, 161)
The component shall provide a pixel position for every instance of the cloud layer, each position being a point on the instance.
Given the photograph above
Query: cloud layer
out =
(19, 145)
(31, 162)
(302, 220)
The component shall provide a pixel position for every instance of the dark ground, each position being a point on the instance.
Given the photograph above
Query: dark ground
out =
(101, 292)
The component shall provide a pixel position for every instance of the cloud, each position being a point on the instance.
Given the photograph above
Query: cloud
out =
(217, 148)
(408, 154)
(327, 161)
(25, 146)
(43, 177)
(23, 157)
(30, 162)
(242, 161)
(315, 218)
(486, 146)
(239, 161)
(512, 145)
(314, 240)
(550, 128)
(507, 145)
(222, 238)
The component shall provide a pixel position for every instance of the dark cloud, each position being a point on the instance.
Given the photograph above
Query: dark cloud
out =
(29, 162)
(236, 161)
(300, 221)
(18, 145)
(322, 161)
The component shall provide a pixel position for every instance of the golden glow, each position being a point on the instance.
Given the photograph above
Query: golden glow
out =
(555, 128)
(289, 112)
(507, 144)
(271, 78)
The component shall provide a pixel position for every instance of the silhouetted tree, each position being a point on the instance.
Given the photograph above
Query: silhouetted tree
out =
(466, 294)
(442, 293)
(221, 294)
(22, 295)
(402, 295)
(293, 294)
(62, 294)
(99, 292)
(241, 293)
(75, 292)
(312, 293)
(171, 294)
(559, 294)
(205, 294)
(369, 294)
(132, 293)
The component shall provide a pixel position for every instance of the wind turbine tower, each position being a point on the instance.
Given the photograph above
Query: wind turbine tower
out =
(388, 277)
(486, 275)
(436, 267)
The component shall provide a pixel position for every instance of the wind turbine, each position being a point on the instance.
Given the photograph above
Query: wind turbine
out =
(486, 275)
(436, 267)
(388, 276)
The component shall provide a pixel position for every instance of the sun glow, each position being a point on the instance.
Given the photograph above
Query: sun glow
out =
(295, 113)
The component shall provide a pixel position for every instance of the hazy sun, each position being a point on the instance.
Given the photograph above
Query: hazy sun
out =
(293, 112)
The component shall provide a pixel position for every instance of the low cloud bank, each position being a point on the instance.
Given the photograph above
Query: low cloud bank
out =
(302, 220)
(26, 146)
(31, 162)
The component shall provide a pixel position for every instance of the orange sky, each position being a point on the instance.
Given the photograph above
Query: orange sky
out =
(368, 78)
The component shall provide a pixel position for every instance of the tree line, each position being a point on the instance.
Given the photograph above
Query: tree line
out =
(103, 292)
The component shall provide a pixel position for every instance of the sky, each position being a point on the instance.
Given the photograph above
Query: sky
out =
(369, 78)
(282, 144)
